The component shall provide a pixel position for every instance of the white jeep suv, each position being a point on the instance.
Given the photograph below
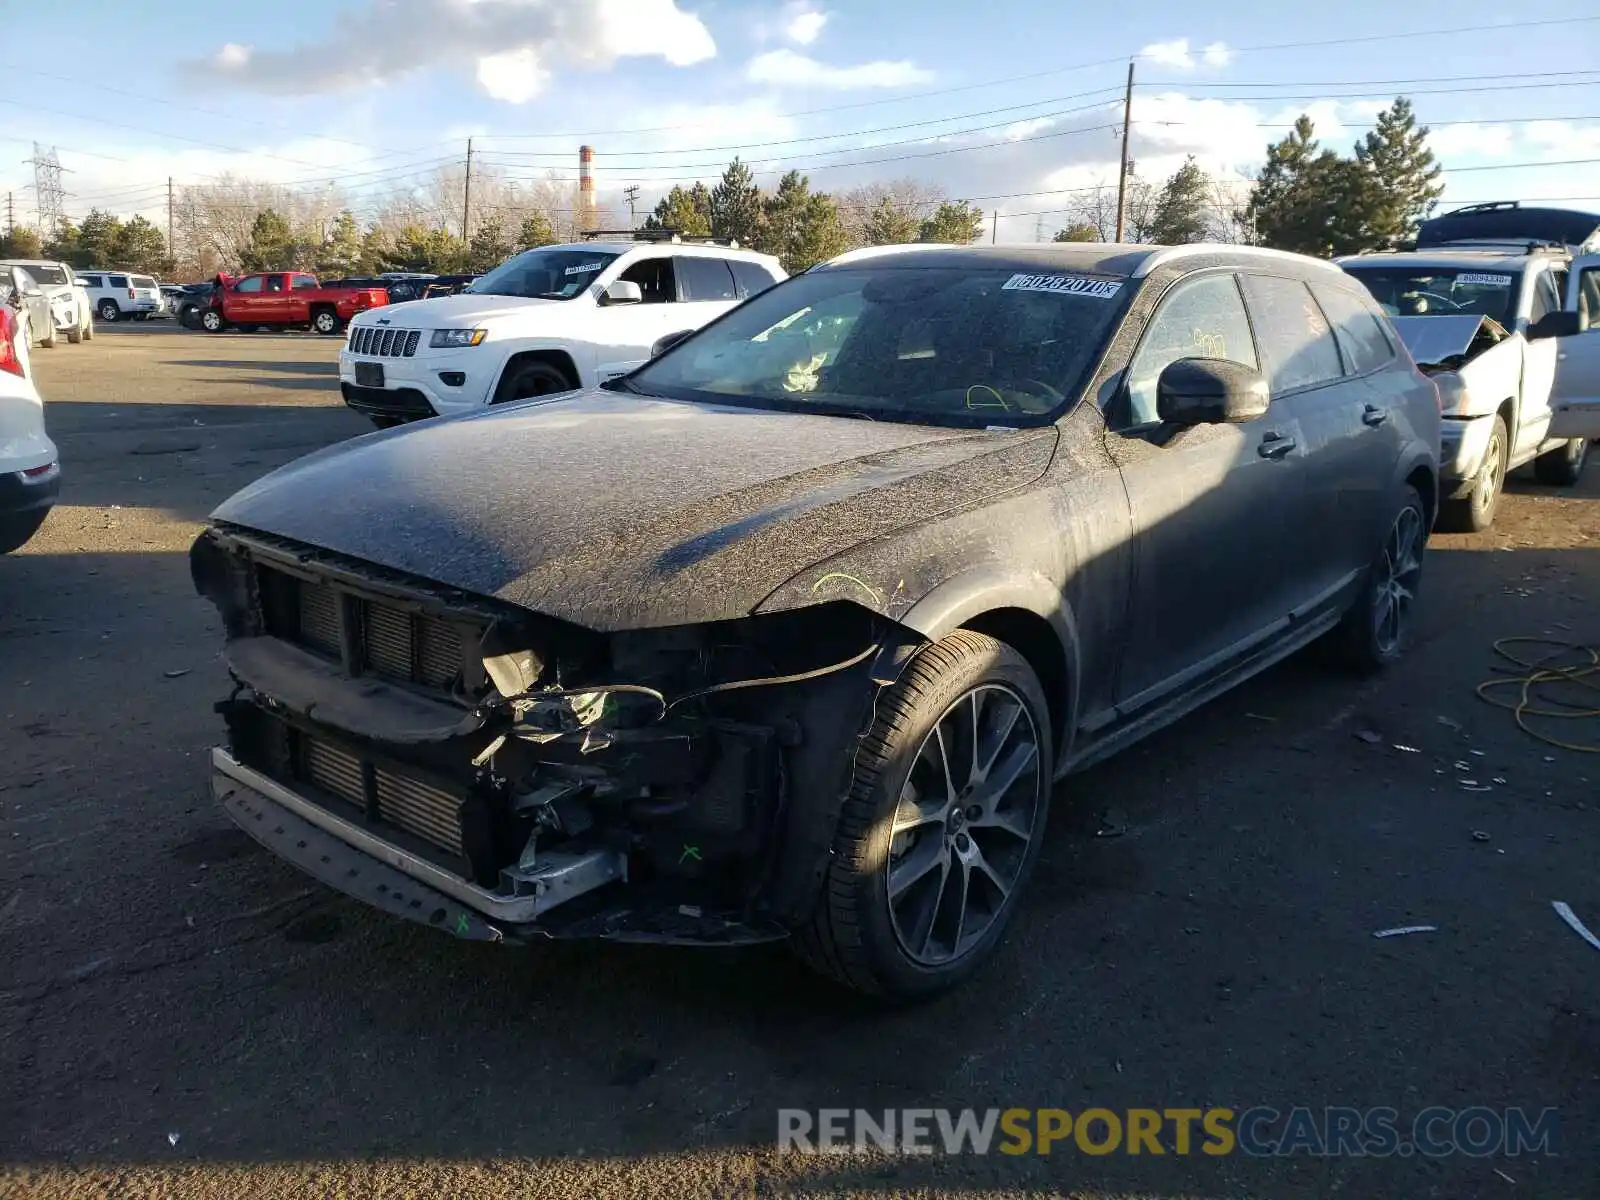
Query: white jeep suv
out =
(544, 321)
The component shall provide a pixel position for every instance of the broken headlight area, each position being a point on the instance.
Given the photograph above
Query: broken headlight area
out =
(639, 783)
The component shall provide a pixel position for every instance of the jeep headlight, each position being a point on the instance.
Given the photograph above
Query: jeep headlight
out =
(456, 338)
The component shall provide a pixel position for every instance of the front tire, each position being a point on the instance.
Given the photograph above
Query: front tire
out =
(211, 321)
(942, 825)
(1563, 466)
(108, 311)
(74, 336)
(17, 528)
(325, 321)
(48, 341)
(1376, 630)
(1474, 512)
(529, 379)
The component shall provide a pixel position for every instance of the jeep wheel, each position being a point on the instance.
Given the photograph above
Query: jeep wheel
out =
(1474, 512)
(1563, 466)
(942, 824)
(528, 379)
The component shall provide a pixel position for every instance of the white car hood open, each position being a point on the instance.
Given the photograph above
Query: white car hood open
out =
(1438, 339)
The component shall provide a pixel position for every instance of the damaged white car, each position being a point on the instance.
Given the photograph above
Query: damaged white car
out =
(1491, 327)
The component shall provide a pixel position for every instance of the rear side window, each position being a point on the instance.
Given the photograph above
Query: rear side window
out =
(705, 279)
(1295, 338)
(303, 282)
(750, 277)
(1357, 327)
(118, 280)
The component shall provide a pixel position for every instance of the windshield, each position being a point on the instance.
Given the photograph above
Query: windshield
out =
(932, 345)
(1441, 291)
(48, 275)
(544, 274)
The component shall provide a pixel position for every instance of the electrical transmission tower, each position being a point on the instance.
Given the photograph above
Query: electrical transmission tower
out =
(47, 189)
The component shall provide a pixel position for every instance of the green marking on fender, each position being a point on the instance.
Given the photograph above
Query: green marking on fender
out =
(462, 924)
(689, 852)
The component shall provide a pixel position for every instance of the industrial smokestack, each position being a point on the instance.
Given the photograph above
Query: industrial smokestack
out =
(586, 213)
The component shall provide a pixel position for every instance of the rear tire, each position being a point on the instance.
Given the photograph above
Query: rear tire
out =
(1376, 630)
(17, 528)
(957, 864)
(1562, 467)
(387, 422)
(108, 311)
(526, 380)
(1474, 512)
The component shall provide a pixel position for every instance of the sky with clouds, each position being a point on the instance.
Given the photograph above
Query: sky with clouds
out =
(1014, 103)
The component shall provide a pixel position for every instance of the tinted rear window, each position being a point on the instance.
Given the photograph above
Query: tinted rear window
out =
(1292, 332)
(704, 279)
(751, 277)
(119, 280)
(1358, 328)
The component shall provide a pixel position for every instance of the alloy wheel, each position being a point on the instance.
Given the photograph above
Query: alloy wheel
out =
(963, 825)
(1489, 475)
(1398, 578)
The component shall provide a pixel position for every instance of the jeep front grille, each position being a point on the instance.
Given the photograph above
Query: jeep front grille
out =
(417, 808)
(378, 342)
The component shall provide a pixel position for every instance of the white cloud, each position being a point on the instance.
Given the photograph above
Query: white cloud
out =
(1560, 139)
(1470, 141)
(1169, 54)
(805, 26)
(515, 77)
(516, 42)
(787, 68)
(1176, 54)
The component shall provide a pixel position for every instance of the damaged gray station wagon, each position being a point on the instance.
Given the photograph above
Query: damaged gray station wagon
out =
(790, 632)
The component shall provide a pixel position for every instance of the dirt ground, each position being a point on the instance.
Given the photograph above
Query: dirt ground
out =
(181, 1014)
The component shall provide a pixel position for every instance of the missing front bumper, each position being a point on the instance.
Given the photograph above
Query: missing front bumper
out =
(350, 858)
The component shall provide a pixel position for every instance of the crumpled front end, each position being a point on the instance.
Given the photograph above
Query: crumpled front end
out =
(500, 774)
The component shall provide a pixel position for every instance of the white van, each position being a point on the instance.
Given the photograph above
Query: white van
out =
(119, 294)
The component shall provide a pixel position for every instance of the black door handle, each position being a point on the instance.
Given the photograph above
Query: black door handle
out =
(1274, 445)
(1374, 416)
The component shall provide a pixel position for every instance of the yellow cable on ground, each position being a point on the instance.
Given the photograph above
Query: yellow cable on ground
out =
(1546, 672)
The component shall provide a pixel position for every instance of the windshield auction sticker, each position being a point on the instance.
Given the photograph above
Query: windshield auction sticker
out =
(584, 268)
(1063, 285)
(1484, 280)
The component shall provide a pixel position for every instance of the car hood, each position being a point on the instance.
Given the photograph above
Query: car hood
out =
(461, 310)
(617, 511)
(1436, 339)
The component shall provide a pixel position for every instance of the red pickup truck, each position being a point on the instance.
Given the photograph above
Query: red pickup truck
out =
(283, 298)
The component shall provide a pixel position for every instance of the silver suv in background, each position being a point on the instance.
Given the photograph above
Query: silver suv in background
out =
(119, 294)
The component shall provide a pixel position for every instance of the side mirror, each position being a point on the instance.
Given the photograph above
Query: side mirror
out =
(667, 343)
(1557, 324)
(623, 291)
(1200, 391)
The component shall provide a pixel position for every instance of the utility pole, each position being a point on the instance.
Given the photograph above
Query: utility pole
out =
(11, 214)
(1038, 229)
(466, 194)
(1122, 175)
(631, 195)
(172, 243)
(994, 230)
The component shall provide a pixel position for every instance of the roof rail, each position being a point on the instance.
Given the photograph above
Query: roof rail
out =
(656, 235)
(1508, 245)
(1487, 206)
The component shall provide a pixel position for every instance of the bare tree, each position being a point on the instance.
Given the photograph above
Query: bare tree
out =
(915, 198)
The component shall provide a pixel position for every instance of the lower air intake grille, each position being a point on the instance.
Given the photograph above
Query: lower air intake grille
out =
(418, 808)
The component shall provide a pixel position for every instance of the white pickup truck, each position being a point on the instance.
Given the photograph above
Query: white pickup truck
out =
(1503, 330)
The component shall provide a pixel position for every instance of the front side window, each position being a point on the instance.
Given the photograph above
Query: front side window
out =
(1441, 291)
(1545, 298)
(655, 279)
(1296, 340)
(253, 284)
(544, 274)
(1203, 318)
(1359, 330)
(90, 281)
(932, 345)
